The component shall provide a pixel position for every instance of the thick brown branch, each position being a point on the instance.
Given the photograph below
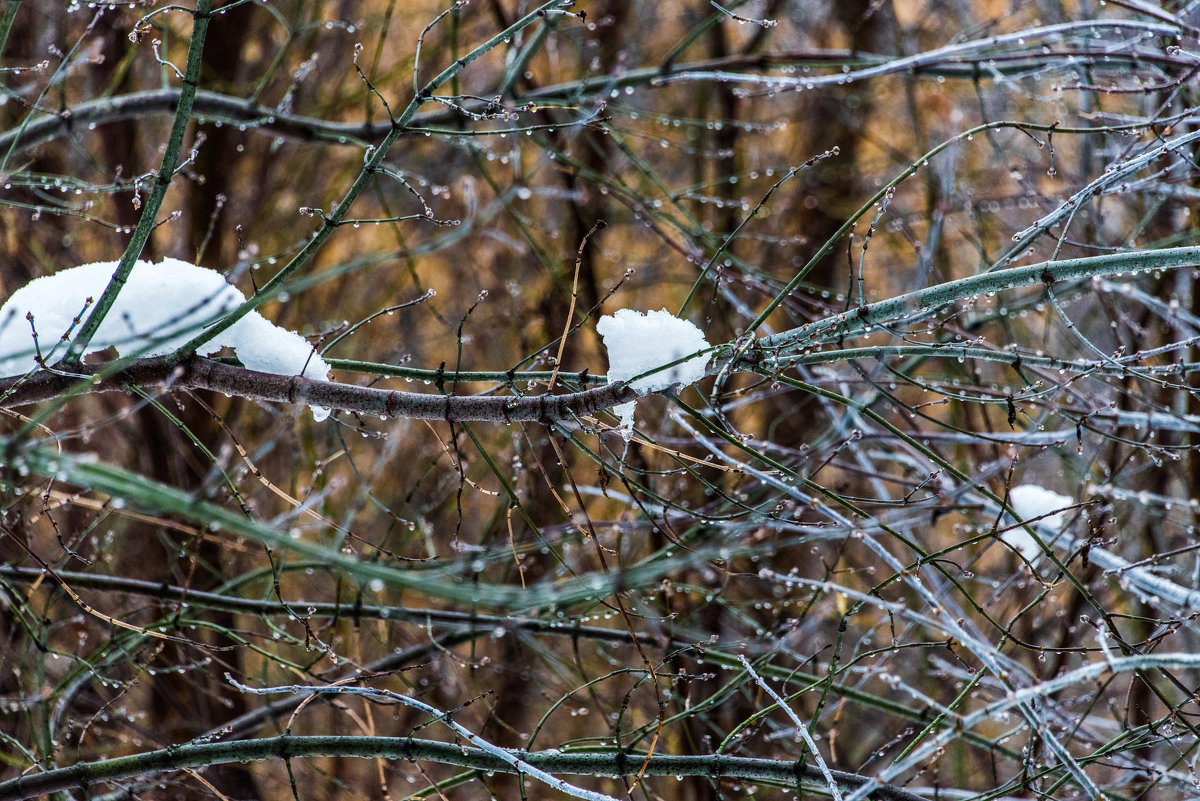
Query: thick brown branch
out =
(199, 373)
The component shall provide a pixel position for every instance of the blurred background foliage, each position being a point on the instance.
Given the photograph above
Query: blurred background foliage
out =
(670, 122)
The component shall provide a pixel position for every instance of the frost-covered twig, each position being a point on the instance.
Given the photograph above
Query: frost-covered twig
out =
(834, 790)
(1022, 698)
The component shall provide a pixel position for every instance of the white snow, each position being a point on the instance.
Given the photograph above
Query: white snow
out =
(624, 412)
(1030, 501)
(643, 343)
(160, 308)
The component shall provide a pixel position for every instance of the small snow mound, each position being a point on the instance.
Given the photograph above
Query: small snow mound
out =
(643, 343)
(1031, 501)
(640, 343)
(160, 308)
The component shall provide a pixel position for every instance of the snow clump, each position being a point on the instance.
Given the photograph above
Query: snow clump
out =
(1031, 501)
(643, 343)
(160, 308)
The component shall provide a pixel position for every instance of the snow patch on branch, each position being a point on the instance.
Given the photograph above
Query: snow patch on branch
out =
(161, 307)
(640, 346)
(1031, 501)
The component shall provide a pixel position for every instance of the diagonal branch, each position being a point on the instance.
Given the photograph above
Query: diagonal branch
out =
(147, 222)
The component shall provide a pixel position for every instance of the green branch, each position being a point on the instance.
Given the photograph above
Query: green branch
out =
(147, 222)
(924, 303)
